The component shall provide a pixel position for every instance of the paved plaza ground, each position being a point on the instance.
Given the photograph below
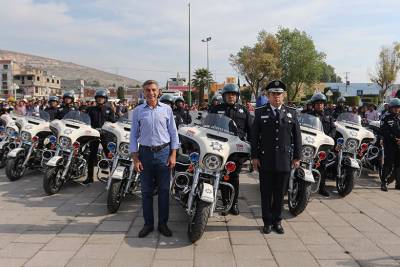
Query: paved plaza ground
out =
(73, 228)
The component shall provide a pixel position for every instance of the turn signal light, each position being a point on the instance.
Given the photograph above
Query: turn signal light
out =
(226, 178)
(364, 146)
(230, 166)
(322, 155)
(76, 145)
(35, 138)
(110, 155)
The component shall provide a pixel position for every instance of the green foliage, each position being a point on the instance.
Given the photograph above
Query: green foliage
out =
(121, 92)
(329, 75)
(202, 77)
(353, 101)
(246, 94)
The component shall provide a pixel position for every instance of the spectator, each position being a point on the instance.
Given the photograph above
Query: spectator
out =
(371, 114)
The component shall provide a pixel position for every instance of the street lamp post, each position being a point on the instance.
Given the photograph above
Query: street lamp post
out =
(208, 66)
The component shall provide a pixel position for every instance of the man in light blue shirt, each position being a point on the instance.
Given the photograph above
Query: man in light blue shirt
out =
(153, 145)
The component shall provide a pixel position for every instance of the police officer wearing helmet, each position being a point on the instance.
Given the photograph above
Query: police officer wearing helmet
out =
(180, 112)
(66, 106)
(215, 101)
(52, 109)
(98, 114)
(340, 108)
(239, 114)
(275, 149)
(390, 127)
(318, 101)
(167, 99)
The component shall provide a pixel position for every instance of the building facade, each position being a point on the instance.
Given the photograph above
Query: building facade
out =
(6, 72)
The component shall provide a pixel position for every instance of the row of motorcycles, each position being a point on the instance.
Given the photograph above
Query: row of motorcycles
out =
(210, 150)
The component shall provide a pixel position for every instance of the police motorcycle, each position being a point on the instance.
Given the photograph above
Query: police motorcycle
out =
(206, 158)
(305, 180)
(371, 155)
(74, 135)
(11, 124)
(117, 166)
(33, 146)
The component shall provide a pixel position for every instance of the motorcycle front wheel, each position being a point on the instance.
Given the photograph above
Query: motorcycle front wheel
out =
(198, 221)
(14, 169)
(115, 194)
(345, 184)
(298, 198)
(52, 181)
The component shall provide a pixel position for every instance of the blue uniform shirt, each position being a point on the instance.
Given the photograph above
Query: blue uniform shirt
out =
(153, 127)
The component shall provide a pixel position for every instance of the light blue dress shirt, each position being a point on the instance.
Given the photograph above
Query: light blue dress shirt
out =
(153, 127)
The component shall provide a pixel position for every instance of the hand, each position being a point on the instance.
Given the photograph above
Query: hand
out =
(256, 164)
(171, 161)
(138, 165)
(398, 141)
(296, 163)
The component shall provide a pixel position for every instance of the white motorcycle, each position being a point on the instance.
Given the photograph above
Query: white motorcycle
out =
(74, 135)
(306, 179)
(11, 125)
(30, 153)
(121, 178)
(206, 159)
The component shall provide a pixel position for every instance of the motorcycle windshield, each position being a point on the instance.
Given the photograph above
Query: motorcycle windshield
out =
(43, 115)
(77, 116)
(126, 118)
(349, 117)
(310, 121)
(219, 122)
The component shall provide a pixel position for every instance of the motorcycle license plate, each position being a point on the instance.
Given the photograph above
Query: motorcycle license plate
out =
(207, 195)
(354, 163)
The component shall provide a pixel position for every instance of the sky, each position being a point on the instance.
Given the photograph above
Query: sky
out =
(149, 39)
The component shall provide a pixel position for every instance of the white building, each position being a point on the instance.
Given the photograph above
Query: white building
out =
(6, 72)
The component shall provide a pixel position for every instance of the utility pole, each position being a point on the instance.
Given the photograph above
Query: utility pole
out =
(208, 67)
(347, 80)
(189, 79)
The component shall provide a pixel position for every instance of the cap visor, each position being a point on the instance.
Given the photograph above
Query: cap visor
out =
(276, 90)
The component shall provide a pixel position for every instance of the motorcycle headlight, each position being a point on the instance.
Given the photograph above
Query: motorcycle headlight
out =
(10, 131)
(212, 162)
(307, 152)
(65, 142)
(25, 136)
(352, 144)
(124, 149)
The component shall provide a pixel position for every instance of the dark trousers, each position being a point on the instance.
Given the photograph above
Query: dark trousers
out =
(391, 163)
(155, 170)
(272, 188)
(234, 181)
(92, 160)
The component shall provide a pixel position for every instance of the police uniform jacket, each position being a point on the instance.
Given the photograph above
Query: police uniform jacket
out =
(52, 112)
(63, 110)
(182, 115)
(275, 142)
(390, 128)
(239, 114)
(100, 114)
(328, 122)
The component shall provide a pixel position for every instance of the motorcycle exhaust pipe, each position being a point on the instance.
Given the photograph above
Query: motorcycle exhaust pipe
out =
(181, 180)
(103, 164)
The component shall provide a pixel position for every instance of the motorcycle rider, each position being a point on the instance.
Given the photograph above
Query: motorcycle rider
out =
(66, 106)
(318, 101)
(181, 114)
(53, 107)
(239, 114)
(340, 108)
(390, 126)
(98, 114)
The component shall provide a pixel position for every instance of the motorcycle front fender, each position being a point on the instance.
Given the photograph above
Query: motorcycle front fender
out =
(118, 173)
(308, 176)
(55, 161)
(13, 153)
(352, 163)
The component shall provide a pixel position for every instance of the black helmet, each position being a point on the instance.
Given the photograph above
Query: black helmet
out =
(101, 93)
(318, 97)
(52, 98)
(167, 99)
(70, 95)
(179, 98)
(230, 88)
(217, 98)
(341, 99)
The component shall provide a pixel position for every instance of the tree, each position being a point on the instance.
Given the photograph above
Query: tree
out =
(329, 75)
(121, 92)
(301, 63)
(202, 77)
(260, 63)
(387, 68)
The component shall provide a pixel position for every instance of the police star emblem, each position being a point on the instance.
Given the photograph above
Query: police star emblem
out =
(276, 83)
(310, 140)
(216, 146)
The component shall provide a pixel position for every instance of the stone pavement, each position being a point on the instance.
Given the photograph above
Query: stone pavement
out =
(73, 228)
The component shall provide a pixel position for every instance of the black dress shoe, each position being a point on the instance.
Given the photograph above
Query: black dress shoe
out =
(323, 192)
(267, 229)
(164, 230)
(397, 186)
(87, 181)
(278, 228)
(235, 209)
(147, 229)
(384, 187)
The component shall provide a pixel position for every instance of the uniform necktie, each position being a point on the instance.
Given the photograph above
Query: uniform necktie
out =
(277, 114)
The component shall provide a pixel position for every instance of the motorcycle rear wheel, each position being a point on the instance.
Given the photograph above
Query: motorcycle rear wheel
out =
(14, 170)
(345, 186)
(115, 194)
(52, 182)
(198, 222)
(298, 199)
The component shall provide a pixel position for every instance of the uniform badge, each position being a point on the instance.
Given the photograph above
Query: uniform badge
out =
(265, 117)
(216, 146)
(276, 83)
(289, 115)
(107, 111)
(241, 110)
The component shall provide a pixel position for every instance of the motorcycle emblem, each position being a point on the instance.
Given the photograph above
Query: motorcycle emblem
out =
(353, 133)
(309, 139)
(216, 146)
(67, 131)
(208, 191)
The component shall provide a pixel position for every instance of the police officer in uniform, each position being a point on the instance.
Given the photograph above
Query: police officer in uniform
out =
(239, 114)
(215, 101)
(52, 109)
(340, 108)
(318, 101)
(66, 106)
(275, 149)
(390, 126)
(180, 112)
(98, 114)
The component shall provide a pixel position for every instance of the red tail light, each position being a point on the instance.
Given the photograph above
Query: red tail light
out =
(35, 138)
(230, 166)
(364, 146)
(322, 155)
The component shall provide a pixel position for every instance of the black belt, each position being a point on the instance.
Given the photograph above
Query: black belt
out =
(154, 148)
